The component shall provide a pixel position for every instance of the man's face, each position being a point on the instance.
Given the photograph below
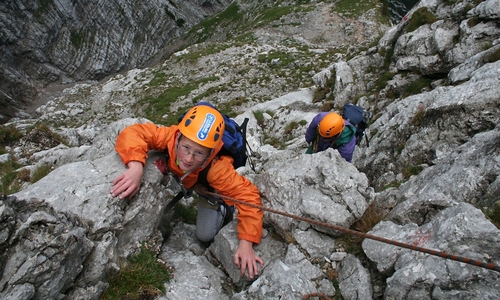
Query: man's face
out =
(190, 155)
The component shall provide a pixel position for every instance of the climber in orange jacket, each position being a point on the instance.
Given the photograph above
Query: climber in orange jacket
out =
(192, 145)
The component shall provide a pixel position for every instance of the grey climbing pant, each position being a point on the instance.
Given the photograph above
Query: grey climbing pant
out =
(210, 219)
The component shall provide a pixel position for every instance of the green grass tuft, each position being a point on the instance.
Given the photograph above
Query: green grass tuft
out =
(40, 173)
(494, 214)
(142, 278)
(8, 176)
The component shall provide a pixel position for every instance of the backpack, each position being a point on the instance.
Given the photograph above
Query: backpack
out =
(358, 117)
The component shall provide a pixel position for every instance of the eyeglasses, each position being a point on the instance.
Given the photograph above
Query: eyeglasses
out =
(197, 155)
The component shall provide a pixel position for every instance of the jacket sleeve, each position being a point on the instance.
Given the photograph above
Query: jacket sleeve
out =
(226, 181)
(347, 150)
(312, 130)
(134, 142)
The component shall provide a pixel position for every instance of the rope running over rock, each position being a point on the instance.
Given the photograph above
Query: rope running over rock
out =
(203, 191)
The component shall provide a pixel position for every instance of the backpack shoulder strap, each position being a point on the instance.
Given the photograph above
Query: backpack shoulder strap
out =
(250, 153)
(202, 177)
(174, 201)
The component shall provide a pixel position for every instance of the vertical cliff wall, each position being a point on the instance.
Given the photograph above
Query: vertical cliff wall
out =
(44, 41)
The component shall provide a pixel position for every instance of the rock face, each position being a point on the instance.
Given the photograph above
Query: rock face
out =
(66, 41)
(431, 168)
(30, 254)
(463, 231)
(106, 230)
(459, 100)
(334, 199)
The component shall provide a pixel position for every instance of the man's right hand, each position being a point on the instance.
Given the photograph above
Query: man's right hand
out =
(129, 182)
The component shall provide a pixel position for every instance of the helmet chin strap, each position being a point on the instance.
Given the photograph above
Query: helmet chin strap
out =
(177, 144)
(206, 159)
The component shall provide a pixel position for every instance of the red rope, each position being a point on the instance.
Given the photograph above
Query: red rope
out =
(203, 191)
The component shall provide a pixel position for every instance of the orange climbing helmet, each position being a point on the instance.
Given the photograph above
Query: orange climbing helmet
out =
(331, 125)
(203, 125)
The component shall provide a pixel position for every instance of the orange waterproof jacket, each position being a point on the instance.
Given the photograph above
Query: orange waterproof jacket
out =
(134, 142)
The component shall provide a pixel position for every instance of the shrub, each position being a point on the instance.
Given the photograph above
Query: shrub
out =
(420, 17)
(180, 22)
(417, 86)
(493, 57)
(327, 106)
(77, 38)
(473, 21)
(387, 57)
(158, 79)
(371, 217)
(353, 9)
(169, 13)
(44, 6)
(417, 119)
(44, 130)
(9, 134)
(24, 175)
(382, 80)
(290, 127)
(188, 214)
(493, 214)
(159, 106)
(321, 92)
(259, 116)
(411, 170)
